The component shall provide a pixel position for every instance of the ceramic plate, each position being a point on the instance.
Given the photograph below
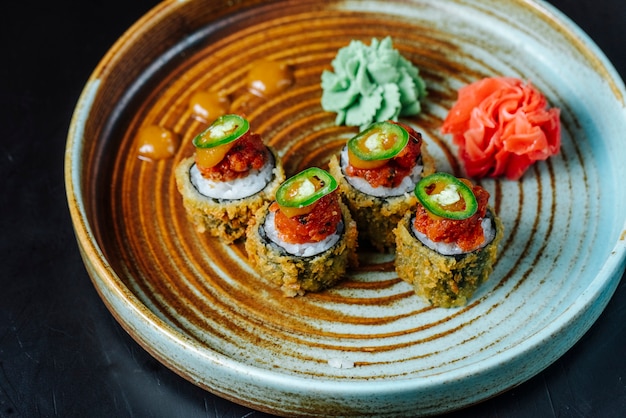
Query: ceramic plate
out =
(368, 346)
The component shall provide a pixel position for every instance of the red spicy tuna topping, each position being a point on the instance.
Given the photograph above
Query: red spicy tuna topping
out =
(466, 233)
(395, 169)
(313, 226)
(248, 153)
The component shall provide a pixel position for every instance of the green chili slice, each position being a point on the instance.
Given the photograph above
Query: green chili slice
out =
(225, 129)
(381, 141)
(446, 196)
(305, 188)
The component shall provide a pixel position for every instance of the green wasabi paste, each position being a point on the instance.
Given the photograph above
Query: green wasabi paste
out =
(371, 84)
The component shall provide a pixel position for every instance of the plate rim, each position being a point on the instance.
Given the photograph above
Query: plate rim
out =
(108, 283)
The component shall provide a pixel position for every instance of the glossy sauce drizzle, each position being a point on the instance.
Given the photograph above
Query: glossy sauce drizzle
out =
(268, 78)
(265, 79)
(156, 143)
(208, 106)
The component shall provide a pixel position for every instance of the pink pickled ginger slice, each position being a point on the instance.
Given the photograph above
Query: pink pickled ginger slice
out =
(502, 126)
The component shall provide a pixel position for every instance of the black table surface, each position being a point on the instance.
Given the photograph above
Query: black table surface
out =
(63, 354)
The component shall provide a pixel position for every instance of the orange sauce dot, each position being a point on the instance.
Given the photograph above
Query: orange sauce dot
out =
(210, 157)
(156, 143)
(209, 106)
(268, 78)
(356, 162)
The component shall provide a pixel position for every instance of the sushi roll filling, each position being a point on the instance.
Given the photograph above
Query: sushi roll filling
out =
(453, 248)
(306, 216)
(451, 215)
(271, 235)
(406, 185)
(230, 163)
(385, 160)
(227, 150)
(234, 189)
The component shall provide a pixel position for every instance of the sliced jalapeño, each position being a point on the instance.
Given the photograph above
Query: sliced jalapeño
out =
(446, 196)
(213, 143)
(225, 129)
(296, 195)
(376, 145)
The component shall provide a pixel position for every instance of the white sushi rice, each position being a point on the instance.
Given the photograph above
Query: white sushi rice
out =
(452, 248)
(239, 188)
(406, 186)
(300, 250)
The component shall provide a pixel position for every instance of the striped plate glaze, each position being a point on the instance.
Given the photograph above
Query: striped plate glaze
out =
(368, 346)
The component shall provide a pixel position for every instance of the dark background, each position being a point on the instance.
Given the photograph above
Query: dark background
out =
(61, 351)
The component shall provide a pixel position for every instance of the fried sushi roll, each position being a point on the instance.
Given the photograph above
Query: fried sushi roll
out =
(377, 171)
(305, 240)
(230, 176)
(447, 246)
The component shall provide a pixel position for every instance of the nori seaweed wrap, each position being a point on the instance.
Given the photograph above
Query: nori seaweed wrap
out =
(378, 208)
(443, 280)
(224, 218)
(447, 245)
(231, 174)
(308, 251)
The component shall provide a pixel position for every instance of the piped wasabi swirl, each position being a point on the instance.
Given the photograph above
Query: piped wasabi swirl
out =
(371, 84)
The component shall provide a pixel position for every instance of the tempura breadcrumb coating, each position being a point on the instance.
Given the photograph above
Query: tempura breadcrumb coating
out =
(298, 275)
(376, 217)
(223, 218)
(443, 280)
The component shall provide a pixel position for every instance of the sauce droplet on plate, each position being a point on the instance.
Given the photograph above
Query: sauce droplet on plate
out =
(208, 106)
(156, 143)
(268, 78)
